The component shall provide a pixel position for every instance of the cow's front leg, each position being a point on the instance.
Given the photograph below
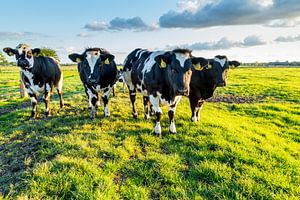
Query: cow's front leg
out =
(193, 105)
(132, 94)
(199, 108)
(158, 112)
(93, 98)
(34, 101)
(146, 106)
(171, 113)
(46, 99)
(105, 98)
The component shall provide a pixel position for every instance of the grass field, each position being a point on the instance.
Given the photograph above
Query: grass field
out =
(238, 150)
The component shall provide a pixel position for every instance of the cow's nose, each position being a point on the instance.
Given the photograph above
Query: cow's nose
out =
(182, 92)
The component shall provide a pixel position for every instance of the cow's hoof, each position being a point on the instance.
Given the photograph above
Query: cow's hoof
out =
(172, 132)
(134, 115)
(147, 117)
(107, 115)
(47, 114)
(32, 118)
(194, 119)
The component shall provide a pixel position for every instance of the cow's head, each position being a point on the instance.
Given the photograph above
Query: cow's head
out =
(90, 63)
(177, 65)
(24, 55)
(220, 66)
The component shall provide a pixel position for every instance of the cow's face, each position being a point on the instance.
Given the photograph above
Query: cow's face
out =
(24, 55)
(90, 64)
(178, 71)
(220, 67)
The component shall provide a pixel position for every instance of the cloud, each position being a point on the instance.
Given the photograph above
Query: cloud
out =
(223, 43)
(84, 35)
(283, 23)
(20, 35)
(119, 24)
(288, 39)
(207, 13)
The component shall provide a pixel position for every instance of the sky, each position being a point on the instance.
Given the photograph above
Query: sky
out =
(243, 30)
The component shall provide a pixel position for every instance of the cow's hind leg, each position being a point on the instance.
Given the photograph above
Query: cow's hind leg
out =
(158, 112)
(46, 99)
(193, 104)
(171, 113)
(132, 94)
(60, 92)
(146, 106)
(105, 98)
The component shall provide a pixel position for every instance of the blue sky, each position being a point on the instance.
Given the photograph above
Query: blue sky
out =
(246, 30)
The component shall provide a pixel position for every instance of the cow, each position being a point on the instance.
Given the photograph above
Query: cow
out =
(161, 77)
(40, 74)
(98, 73)
(205, 79)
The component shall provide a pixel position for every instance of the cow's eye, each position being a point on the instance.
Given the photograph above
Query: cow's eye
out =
(174, 71)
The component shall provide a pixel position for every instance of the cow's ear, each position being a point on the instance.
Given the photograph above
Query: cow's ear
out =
(107, 58)
(75, 57)
(163, 60)
(9, 51)
(199, 63)
(234, 63)
(36, 51)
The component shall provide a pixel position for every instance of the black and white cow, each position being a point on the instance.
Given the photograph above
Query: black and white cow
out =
(39, 75)
(204, 81)
(161, 77)
(98, 72)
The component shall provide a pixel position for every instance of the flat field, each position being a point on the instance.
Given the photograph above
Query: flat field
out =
(246, 146)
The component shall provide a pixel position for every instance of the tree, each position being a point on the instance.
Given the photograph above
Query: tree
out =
(45, 51)
(3, 60)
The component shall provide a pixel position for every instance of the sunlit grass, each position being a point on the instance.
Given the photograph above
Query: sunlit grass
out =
(237, 151)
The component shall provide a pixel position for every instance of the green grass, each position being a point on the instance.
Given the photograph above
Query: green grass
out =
(237, 151)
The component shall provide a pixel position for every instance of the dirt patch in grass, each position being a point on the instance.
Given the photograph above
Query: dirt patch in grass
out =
(235, 99)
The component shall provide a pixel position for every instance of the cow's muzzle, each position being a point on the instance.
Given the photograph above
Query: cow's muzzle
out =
(92, 81)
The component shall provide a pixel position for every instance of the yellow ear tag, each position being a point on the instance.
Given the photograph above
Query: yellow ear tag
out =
(10, 53)
(209, 66)
(106, 61)
(198, 67)
(78, 60)
(163, 64)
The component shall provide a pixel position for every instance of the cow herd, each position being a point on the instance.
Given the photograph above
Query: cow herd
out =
(162, 77)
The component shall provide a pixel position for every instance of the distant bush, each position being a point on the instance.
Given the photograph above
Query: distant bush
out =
(49, 52)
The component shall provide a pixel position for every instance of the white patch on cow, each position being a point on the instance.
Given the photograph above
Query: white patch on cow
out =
(139, 53)
(182, 58)
(48, 88)
(33, 100)
(91, 95)
(157, 128)
(92, 57)
(143, 92)
(35, 89)
(220, 61)
(194, 118)
(127, 78)
(150, 61)
(172, 127)
(155, 103)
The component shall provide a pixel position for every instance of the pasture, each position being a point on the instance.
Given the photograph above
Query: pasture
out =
(246, 146)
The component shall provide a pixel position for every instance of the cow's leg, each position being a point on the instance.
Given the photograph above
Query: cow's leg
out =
(132, 94)
(114, 90)
(193, 105)
(146, 107)
(46, 99)
(34, 101)
(60, 92)
(105, 98)
(199, 108)
(87, 92)
(123, 85)
(158, 112)
(93, 98)
(98, 102)
(171, 113)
